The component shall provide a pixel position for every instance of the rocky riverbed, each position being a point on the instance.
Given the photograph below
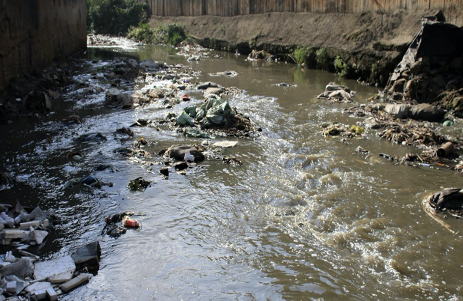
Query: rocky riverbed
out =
(163, 163)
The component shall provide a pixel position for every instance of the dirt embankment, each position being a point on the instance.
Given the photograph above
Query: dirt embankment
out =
(360, 39)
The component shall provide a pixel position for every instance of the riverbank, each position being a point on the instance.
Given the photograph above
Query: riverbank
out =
(362, 40)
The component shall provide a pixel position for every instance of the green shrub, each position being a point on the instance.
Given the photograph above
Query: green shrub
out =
(300, 55)
(340, 66)
(114, 16)
(375, 72)
(322, 58)
(175, 34)
(144, 32)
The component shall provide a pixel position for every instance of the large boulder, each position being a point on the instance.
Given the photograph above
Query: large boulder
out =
(398, 110)
(178, 152)
(449, 198)
(426, 112)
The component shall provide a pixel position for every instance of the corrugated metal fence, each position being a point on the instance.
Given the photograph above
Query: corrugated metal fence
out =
(453, 9)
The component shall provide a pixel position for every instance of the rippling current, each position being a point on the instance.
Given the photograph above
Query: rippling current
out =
(305, 217)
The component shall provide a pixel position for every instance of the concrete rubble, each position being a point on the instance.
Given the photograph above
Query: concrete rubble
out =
(29, 278)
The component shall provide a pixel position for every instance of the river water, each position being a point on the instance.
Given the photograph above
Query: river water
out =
(305, 217)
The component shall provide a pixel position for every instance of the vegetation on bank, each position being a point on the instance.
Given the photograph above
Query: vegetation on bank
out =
(311, 57)
(173, 34)
(114, 16)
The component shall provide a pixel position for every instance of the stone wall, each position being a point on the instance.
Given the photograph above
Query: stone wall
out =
(453, 9)
(33, 33)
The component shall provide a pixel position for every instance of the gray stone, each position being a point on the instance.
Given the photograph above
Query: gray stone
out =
(47, 269)
(397, 110)
(426, 112)
(204, 86)
(72, 284)
(178, 152)
(22, 268)
(38, 286)
(399, 85)
(416, 67)
(88, 256)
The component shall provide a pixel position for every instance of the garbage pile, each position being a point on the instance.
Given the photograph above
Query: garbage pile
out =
(337, 93)
(447, 201)
(259, 55)
(214, 113)
(338, 129)
(117, 224)
(431, 69)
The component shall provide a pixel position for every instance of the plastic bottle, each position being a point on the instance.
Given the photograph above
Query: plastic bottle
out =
(131, 223)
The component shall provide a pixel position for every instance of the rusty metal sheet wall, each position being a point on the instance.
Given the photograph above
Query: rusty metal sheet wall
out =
(453, 9)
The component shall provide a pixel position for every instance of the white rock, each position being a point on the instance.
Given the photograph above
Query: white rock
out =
(47, 269)
(37, 287)
(225, 144)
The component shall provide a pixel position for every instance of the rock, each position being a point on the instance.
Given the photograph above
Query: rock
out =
(397, 110)
(339, 94)
(213, 91)
(38, 286)
(149, 65)
(38, 236)
(333, 87)
(14, 285)
(180, 165)
(72, 284)
(22, 268)
(93, 137)
(51, 294)
(399, 85)
(138, 184)
(13, 234)
(416, 67)
(6, 220)
(61, 269)
(225, 144)
(371, 123)
(426, 112)
(88, 257)
(204, 86)
(178, 152)
(164, 171)
(449, 198)
(112, 95)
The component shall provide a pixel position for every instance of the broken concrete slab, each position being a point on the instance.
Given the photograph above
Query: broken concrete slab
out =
(52, 295)
(38, 236)
(62, 277)
(41, 294)
(13, 234)
(26, 225)
(48, 269)
(22, 268)
(88, 257)
(38, 286)
(72, 284)
(225, 144)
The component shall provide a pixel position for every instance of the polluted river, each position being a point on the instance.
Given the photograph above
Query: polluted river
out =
(287, 213)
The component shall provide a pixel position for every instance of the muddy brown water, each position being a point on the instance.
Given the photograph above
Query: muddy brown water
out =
(303, 218)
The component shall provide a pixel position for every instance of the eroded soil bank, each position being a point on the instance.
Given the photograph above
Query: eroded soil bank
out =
(360, 39)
